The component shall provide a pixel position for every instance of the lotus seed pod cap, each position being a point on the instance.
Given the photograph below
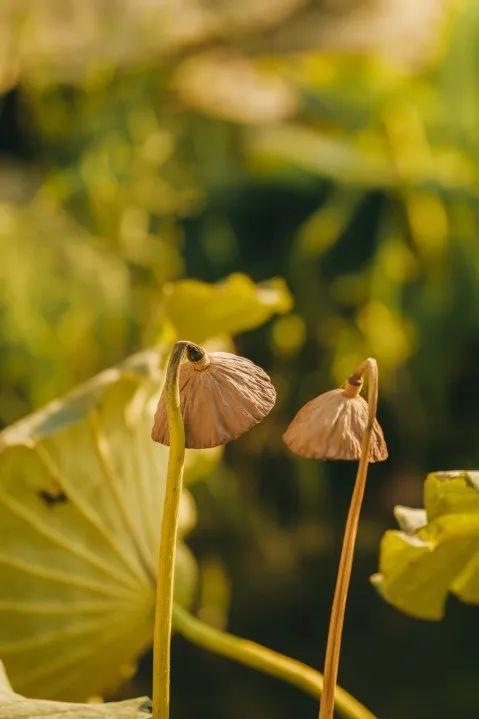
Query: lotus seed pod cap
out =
(222, 396)
(332, 426)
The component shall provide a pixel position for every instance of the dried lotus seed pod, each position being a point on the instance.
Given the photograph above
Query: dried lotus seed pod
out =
(222, 396)
(332, 426)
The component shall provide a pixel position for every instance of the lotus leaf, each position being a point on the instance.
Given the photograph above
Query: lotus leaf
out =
(436, 549)
(14, 706)
(81, 495)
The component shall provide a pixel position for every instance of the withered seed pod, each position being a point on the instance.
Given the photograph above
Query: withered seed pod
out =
(332, 426)
(221, 395)
(341, 425)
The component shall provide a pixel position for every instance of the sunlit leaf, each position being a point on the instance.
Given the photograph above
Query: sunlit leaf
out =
(81, 495)
(406, 32)
(45, 46)
(348, 161)
(217, 83)
(199, 310)
(437, 550)
(15, 706)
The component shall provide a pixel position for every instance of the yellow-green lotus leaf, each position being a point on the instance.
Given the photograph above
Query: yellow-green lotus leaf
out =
(81, 496)
(199, 310)
(436, 550)
(15, 706)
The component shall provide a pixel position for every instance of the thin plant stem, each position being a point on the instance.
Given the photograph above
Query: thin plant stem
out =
(169, 529)
(264, 660)
(336, 623)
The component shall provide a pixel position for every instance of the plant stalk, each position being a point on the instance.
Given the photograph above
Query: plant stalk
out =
(169, 529)
(264, 660)
(336, 623)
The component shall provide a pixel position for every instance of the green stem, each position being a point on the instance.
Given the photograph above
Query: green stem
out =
(336, 622)
(264, 660)
(169, 528)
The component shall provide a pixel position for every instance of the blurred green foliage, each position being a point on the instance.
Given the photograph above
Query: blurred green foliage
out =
(329, 142)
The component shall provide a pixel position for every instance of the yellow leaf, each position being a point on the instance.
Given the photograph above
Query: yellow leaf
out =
(199, 310)
(81, 496)
(436, 549)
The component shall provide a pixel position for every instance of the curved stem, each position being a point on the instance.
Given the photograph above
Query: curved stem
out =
(169, 528)
(264, 660)
(336, 623)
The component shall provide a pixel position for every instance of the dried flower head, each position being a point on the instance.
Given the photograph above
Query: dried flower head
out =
(341, 425)
(221, 395)
(332, 426)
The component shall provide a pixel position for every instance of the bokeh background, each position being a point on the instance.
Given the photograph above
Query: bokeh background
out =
(332, 143)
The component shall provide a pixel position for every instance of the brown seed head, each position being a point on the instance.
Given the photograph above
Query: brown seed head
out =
(221, 395)
(332, 426)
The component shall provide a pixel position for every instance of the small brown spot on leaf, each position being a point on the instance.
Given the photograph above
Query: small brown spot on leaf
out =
(52, 498)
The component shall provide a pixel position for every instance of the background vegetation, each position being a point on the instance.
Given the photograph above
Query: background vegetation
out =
(332, 144)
